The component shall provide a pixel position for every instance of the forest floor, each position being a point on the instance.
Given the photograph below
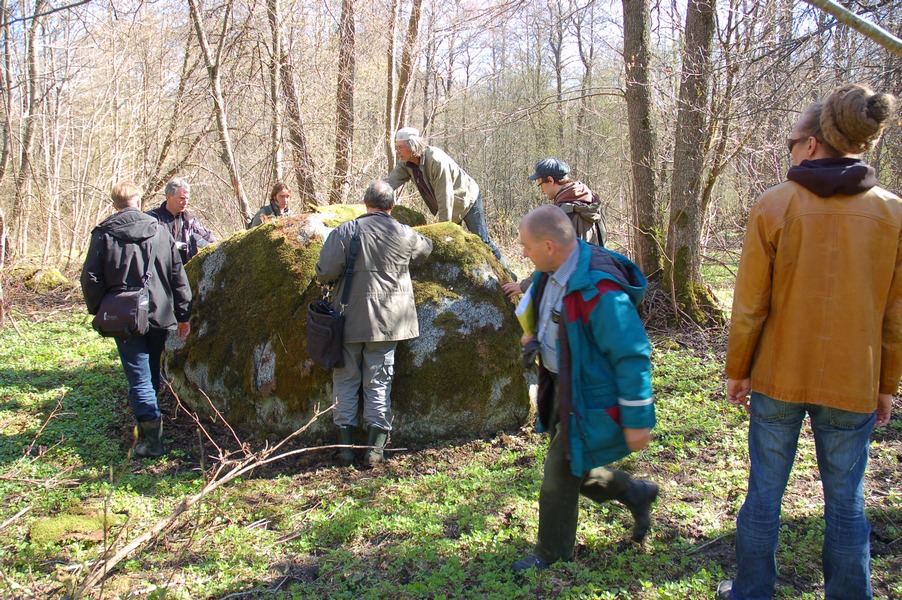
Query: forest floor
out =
(442, 521)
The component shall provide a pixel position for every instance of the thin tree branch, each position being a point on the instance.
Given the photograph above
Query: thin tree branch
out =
(847, 17)
(45, 13)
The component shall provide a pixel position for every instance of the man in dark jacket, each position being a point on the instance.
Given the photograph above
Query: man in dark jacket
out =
(185, 229)
(380, 312)
(120, 249)
(594, 394)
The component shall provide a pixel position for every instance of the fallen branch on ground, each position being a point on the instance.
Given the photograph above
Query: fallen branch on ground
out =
(100, 570)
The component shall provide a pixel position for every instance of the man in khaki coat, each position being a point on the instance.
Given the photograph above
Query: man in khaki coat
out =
(448, 191)
(380, 312)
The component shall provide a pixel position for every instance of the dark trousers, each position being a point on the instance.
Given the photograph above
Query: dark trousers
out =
(560, 492)
(559, 498)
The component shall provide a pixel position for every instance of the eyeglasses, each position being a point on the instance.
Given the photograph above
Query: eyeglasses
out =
(791, 142)
(540, 183)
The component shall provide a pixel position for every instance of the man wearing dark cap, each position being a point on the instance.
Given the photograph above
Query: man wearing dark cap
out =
(449, 193)
(573, 197)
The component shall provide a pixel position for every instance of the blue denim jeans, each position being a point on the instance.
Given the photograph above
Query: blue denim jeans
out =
(475, 222)
(841, 439)
(140, 356)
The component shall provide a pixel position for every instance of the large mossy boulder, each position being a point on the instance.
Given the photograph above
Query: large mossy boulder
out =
(460, 377)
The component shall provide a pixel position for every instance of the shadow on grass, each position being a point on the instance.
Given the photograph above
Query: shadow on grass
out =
(71, 410)
(395, 567)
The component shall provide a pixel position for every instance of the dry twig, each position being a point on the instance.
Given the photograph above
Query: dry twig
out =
(238, 468)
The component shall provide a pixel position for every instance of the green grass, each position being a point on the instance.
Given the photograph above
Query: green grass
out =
(439, 522)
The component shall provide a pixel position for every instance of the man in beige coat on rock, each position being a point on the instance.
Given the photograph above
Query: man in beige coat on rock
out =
(380, 312)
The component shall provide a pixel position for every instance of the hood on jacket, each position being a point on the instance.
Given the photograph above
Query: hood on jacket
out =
(129, 225)
(828, 177)
(576, 191)
(597, 263)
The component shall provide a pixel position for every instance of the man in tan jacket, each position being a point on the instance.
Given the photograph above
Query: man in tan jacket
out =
(817, 329)
(448, 191)
(380, 312)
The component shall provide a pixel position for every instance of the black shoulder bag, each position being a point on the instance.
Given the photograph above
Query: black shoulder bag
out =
(123, 312)
(325, 325)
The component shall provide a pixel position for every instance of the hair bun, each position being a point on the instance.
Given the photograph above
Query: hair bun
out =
(854, 117)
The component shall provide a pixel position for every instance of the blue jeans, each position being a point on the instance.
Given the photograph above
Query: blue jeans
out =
(841, 439)
(475, 222)
(140, 356)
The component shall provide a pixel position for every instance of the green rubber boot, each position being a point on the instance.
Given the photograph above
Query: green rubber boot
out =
(346, 438)
(150, 439)
(376, 438)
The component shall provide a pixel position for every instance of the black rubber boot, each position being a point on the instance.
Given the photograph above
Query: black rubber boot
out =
(377, 438)
(638, 498)
(346, 438)
(150, 439)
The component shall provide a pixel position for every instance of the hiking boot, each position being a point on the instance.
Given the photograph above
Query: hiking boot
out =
(346, 438)
(376, 438)
(150, 439)
(723, 589)
(638, 498)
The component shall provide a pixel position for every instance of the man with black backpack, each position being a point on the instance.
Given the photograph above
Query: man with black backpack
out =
(130, 250)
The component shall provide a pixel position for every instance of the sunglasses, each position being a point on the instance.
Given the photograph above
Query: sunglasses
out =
(791, 142)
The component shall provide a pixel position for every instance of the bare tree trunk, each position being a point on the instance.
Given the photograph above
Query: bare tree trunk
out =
(156, 179)
(274, 11)
(585, 21)
(390, 123)
(556, 44)
(213, 64)
(7, 95)
(682, 270)
(344, 108)
(21, 209)
(873, 31)
(647, 217)
(431, 79)
(406, 71)
(2, 263)
(304, 167)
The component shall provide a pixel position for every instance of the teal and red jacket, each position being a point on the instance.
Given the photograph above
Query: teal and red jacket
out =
(604, 377)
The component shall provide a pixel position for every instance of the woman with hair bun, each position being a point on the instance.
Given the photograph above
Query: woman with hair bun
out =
(817, 329)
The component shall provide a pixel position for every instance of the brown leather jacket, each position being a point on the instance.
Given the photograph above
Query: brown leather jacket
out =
(817, 311)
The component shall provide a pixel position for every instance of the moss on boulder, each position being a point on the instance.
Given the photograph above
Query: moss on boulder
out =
(461, 377)
(42, 281)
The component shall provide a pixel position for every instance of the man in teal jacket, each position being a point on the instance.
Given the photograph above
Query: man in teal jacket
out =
(594, 396)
